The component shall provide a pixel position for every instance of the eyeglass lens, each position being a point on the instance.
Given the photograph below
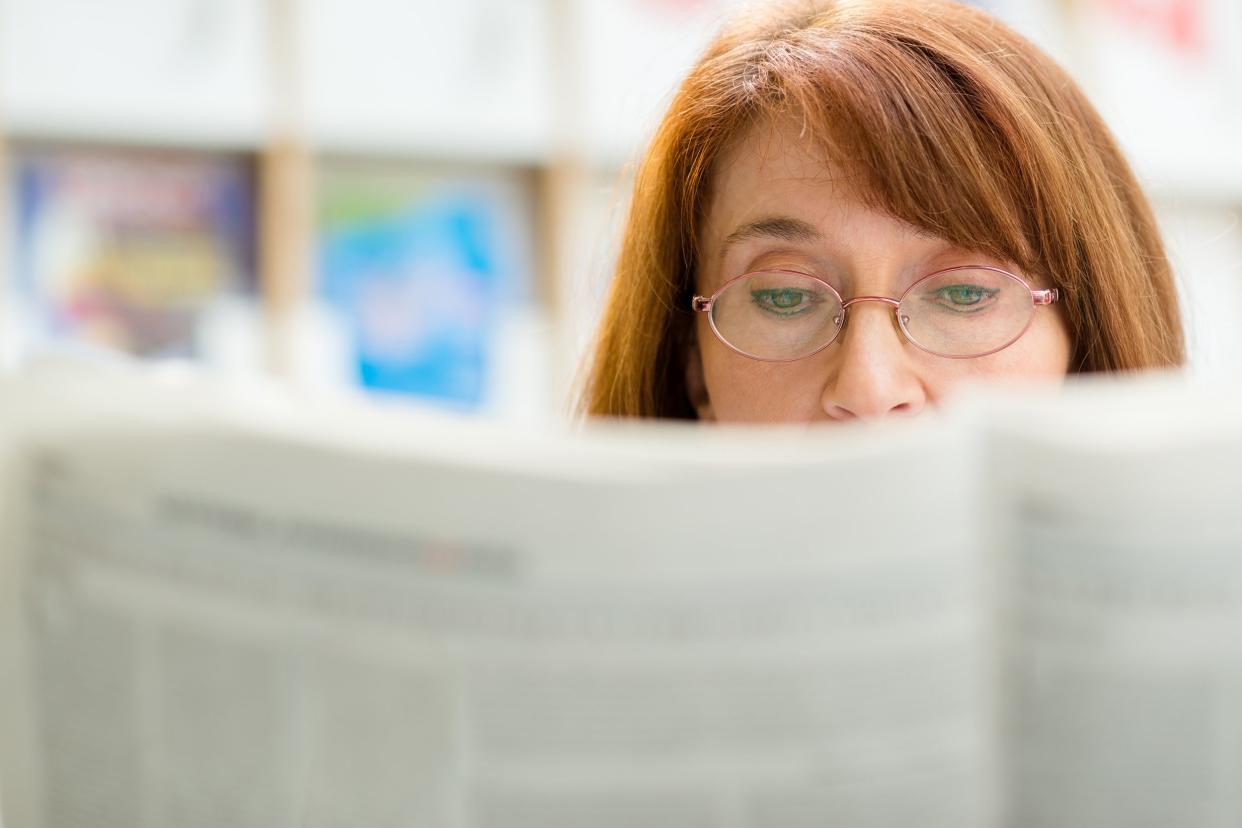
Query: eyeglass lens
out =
(958, 313)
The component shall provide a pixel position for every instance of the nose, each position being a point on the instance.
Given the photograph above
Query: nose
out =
(872, 373)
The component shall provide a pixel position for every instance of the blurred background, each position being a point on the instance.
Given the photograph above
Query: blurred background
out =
(421, 199)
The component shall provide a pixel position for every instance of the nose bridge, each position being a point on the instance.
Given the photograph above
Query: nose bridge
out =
(872, 376)
(893, 304)
(885, 299)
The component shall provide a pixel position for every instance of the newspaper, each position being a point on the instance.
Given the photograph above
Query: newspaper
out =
(237, 608)
(1123, 612)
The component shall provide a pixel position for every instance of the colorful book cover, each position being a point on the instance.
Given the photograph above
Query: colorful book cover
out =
(126, 250)
(417, 269)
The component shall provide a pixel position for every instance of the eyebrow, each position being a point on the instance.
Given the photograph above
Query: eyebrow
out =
(785, 228)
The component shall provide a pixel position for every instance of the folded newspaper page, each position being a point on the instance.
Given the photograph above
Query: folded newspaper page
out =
(1121, 532)
(224, 607)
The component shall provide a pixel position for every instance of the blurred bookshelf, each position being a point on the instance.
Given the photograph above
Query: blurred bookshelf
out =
(129, 249)
(422, 199)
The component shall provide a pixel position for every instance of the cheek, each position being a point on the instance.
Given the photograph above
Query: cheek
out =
(747, 390)
(1043, 353)
(731, 379)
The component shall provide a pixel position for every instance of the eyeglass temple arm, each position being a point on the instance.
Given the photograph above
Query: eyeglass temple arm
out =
(701, 303)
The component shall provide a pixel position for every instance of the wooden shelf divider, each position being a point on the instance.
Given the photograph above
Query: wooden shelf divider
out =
(286, 193)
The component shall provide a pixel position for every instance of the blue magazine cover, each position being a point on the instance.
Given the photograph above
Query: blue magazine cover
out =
(417, 270)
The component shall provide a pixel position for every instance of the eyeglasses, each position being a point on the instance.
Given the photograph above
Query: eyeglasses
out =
(958, 313)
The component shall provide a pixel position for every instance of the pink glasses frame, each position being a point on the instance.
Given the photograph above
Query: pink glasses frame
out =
(1046, 296)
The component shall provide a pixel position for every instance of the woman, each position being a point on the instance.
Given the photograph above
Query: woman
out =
(853, 206)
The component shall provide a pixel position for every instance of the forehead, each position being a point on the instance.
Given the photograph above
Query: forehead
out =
(778, 169)
(770, 160)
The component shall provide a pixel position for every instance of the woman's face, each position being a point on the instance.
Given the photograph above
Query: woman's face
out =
(776, 206)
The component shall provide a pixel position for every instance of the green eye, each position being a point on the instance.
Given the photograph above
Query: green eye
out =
(964, 296)
(781, 300)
